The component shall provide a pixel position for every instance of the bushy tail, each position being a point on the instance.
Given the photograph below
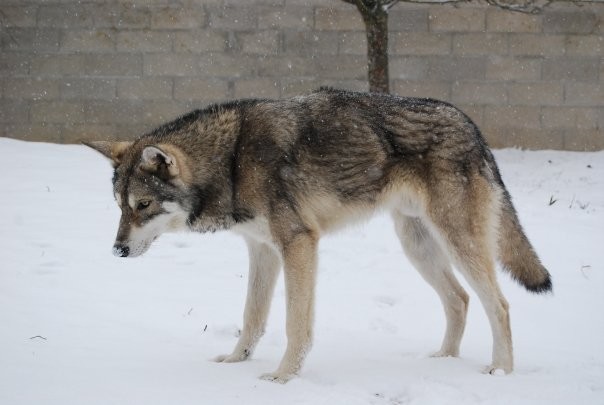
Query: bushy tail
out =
(517, 255)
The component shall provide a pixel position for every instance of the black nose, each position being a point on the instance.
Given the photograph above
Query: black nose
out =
(121, 251)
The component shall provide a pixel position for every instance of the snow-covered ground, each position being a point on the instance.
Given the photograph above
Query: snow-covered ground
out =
(79, 326)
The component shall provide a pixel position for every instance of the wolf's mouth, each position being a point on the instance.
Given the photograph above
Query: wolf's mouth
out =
(142, 247)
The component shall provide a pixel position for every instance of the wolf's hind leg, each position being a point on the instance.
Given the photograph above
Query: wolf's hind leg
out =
(479, 270)
(264, 269)
(434, 266)
(468, 224)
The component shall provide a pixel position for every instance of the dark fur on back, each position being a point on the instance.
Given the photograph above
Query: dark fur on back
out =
(331, 139)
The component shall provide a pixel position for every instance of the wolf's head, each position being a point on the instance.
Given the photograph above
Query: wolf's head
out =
(150, 187)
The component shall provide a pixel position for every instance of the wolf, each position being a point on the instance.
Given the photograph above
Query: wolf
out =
(282, 173)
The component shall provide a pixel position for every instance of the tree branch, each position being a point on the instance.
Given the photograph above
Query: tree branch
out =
(388, 4)
(521, 6)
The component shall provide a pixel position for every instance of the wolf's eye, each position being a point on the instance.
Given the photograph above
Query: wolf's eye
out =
(142, 205)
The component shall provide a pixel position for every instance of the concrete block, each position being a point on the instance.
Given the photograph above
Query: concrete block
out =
(156, 113)
(147, 88)
(285, 66)
(88, 88)
(508, 21)
(131, 131)
(506, 68)
(581, 118)
(132, 16)
(567, 68)
(197, 41)
(220, 65)
(58, 65)
(115, 64)
(260, 42)
(578, 21)
(587, 118)
(481, 93)
(408, 68)
(208, 90)
(178, 17)
(88, 41)
(257, 88)
(334, 19)
(456, 68)
(67, 16)
(585, 45)
(513, 117)
(558, 117)
(58, 112)
(584, 94)
(32, 88)
(31, 39)
(536, 93)
(536, 45)
(76, 133)
(15, 63)
(583, 140)
(480, 44)
(342, 67)
(451, 19)
(311, 42)
(419, 43)
(34, 132)
(524, 138)
(14, 111)
(105, 14)
(144, 41)
(352, 43)
(406, 19)
(170, 64)
(19, 16)
(288, 18)
(114, 112)
(234, 18)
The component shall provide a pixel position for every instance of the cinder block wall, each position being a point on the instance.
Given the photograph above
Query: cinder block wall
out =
(72, 70)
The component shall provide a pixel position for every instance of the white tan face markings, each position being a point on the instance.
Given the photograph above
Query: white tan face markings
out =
(140, 238)
(131, 201)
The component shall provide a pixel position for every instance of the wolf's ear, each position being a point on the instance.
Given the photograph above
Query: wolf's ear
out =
(159, 162)
(112, 150)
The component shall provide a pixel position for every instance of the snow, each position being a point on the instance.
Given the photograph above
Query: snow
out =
(81, 326)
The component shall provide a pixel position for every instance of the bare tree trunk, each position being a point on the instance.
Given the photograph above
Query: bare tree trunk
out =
(375, 16)
(376, 27)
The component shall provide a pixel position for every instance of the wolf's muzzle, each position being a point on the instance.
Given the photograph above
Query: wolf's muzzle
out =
(121, 251)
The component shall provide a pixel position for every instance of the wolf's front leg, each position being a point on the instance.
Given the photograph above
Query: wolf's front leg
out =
(264, 269)
(300, 266)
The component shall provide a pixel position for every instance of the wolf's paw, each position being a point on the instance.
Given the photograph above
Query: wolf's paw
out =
(277, 377)
(445, 353)
(495, 370)
(232, 358)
